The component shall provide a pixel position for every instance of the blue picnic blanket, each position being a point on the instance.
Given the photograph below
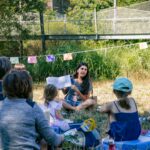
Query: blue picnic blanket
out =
(142, 143)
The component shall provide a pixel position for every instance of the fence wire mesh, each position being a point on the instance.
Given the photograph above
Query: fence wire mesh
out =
(122, 20)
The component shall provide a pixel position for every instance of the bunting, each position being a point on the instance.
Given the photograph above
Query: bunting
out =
(32, 59)
(69, 56)
(50, 58)
(14, 60)
(143, 45)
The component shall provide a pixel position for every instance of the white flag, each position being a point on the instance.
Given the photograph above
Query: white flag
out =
(143, 45)
(14, 60)
(68, 56)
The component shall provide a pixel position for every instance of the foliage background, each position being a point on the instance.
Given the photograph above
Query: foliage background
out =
(103, 64)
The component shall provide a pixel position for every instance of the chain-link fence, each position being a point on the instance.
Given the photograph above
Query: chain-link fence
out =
(120, 20)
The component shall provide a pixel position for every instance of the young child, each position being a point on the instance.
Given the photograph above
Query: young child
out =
(21, 120)
(52, 108)
(123, 115)
(5, 66)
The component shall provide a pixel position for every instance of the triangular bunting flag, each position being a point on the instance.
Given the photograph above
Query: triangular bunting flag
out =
(68, 56)
(14, 60)
(50, 58)
(32, 59)
(143, 45)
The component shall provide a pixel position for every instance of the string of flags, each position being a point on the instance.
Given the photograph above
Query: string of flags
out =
(69, 56)
(48, 58)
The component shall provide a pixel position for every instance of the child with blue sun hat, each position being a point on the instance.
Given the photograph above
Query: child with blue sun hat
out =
(124, 122)
(123, 84)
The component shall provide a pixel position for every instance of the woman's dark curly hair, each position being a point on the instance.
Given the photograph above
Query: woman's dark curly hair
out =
(86, 79)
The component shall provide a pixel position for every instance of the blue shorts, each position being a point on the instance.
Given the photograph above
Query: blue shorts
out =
(73, 103)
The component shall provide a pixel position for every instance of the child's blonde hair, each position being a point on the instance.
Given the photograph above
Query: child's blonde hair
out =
(50, 92)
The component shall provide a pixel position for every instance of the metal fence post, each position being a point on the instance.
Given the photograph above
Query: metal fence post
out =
(115, 16)
(65, 22)
(95, 19)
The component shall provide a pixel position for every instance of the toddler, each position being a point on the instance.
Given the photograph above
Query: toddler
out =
(52, 108)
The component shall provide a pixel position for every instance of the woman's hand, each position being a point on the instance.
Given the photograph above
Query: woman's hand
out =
(83, 97)
(75, 88)
(65, 90)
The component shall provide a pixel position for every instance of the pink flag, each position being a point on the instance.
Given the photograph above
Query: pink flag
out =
(68, 56)
(32, 59)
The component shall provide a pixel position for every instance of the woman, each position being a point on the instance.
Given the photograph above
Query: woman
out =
(123, 115)
(21, 119)
(77, 96)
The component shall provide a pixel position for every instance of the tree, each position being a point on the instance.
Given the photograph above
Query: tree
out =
(91, 4)
(10, 12)
(100, 4)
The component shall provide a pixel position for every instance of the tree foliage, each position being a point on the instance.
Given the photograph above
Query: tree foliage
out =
(10, 12)
(128, 2)
(99, 4)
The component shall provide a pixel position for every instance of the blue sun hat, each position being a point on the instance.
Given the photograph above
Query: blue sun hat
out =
(123, 84)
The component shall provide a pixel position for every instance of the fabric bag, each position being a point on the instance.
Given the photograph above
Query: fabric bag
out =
(84, 135)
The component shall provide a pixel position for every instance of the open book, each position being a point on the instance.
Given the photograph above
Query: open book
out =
(59, 82)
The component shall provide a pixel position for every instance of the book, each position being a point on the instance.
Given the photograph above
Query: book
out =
(59, 82)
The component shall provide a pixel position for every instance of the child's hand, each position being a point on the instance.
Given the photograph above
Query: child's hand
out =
(59, 115)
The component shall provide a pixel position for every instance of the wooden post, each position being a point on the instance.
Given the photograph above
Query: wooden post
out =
(42, 32)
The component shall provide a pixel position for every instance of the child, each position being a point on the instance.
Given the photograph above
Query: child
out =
(52, 108)
(21, 119)
(5, 66)
(123, 114)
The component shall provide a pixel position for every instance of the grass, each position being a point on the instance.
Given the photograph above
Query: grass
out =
(103, 90)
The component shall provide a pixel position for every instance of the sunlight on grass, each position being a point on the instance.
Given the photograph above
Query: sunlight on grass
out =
(103, 90)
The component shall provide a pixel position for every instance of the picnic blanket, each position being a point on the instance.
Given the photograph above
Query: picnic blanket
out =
(142, 143)
(83, 134)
